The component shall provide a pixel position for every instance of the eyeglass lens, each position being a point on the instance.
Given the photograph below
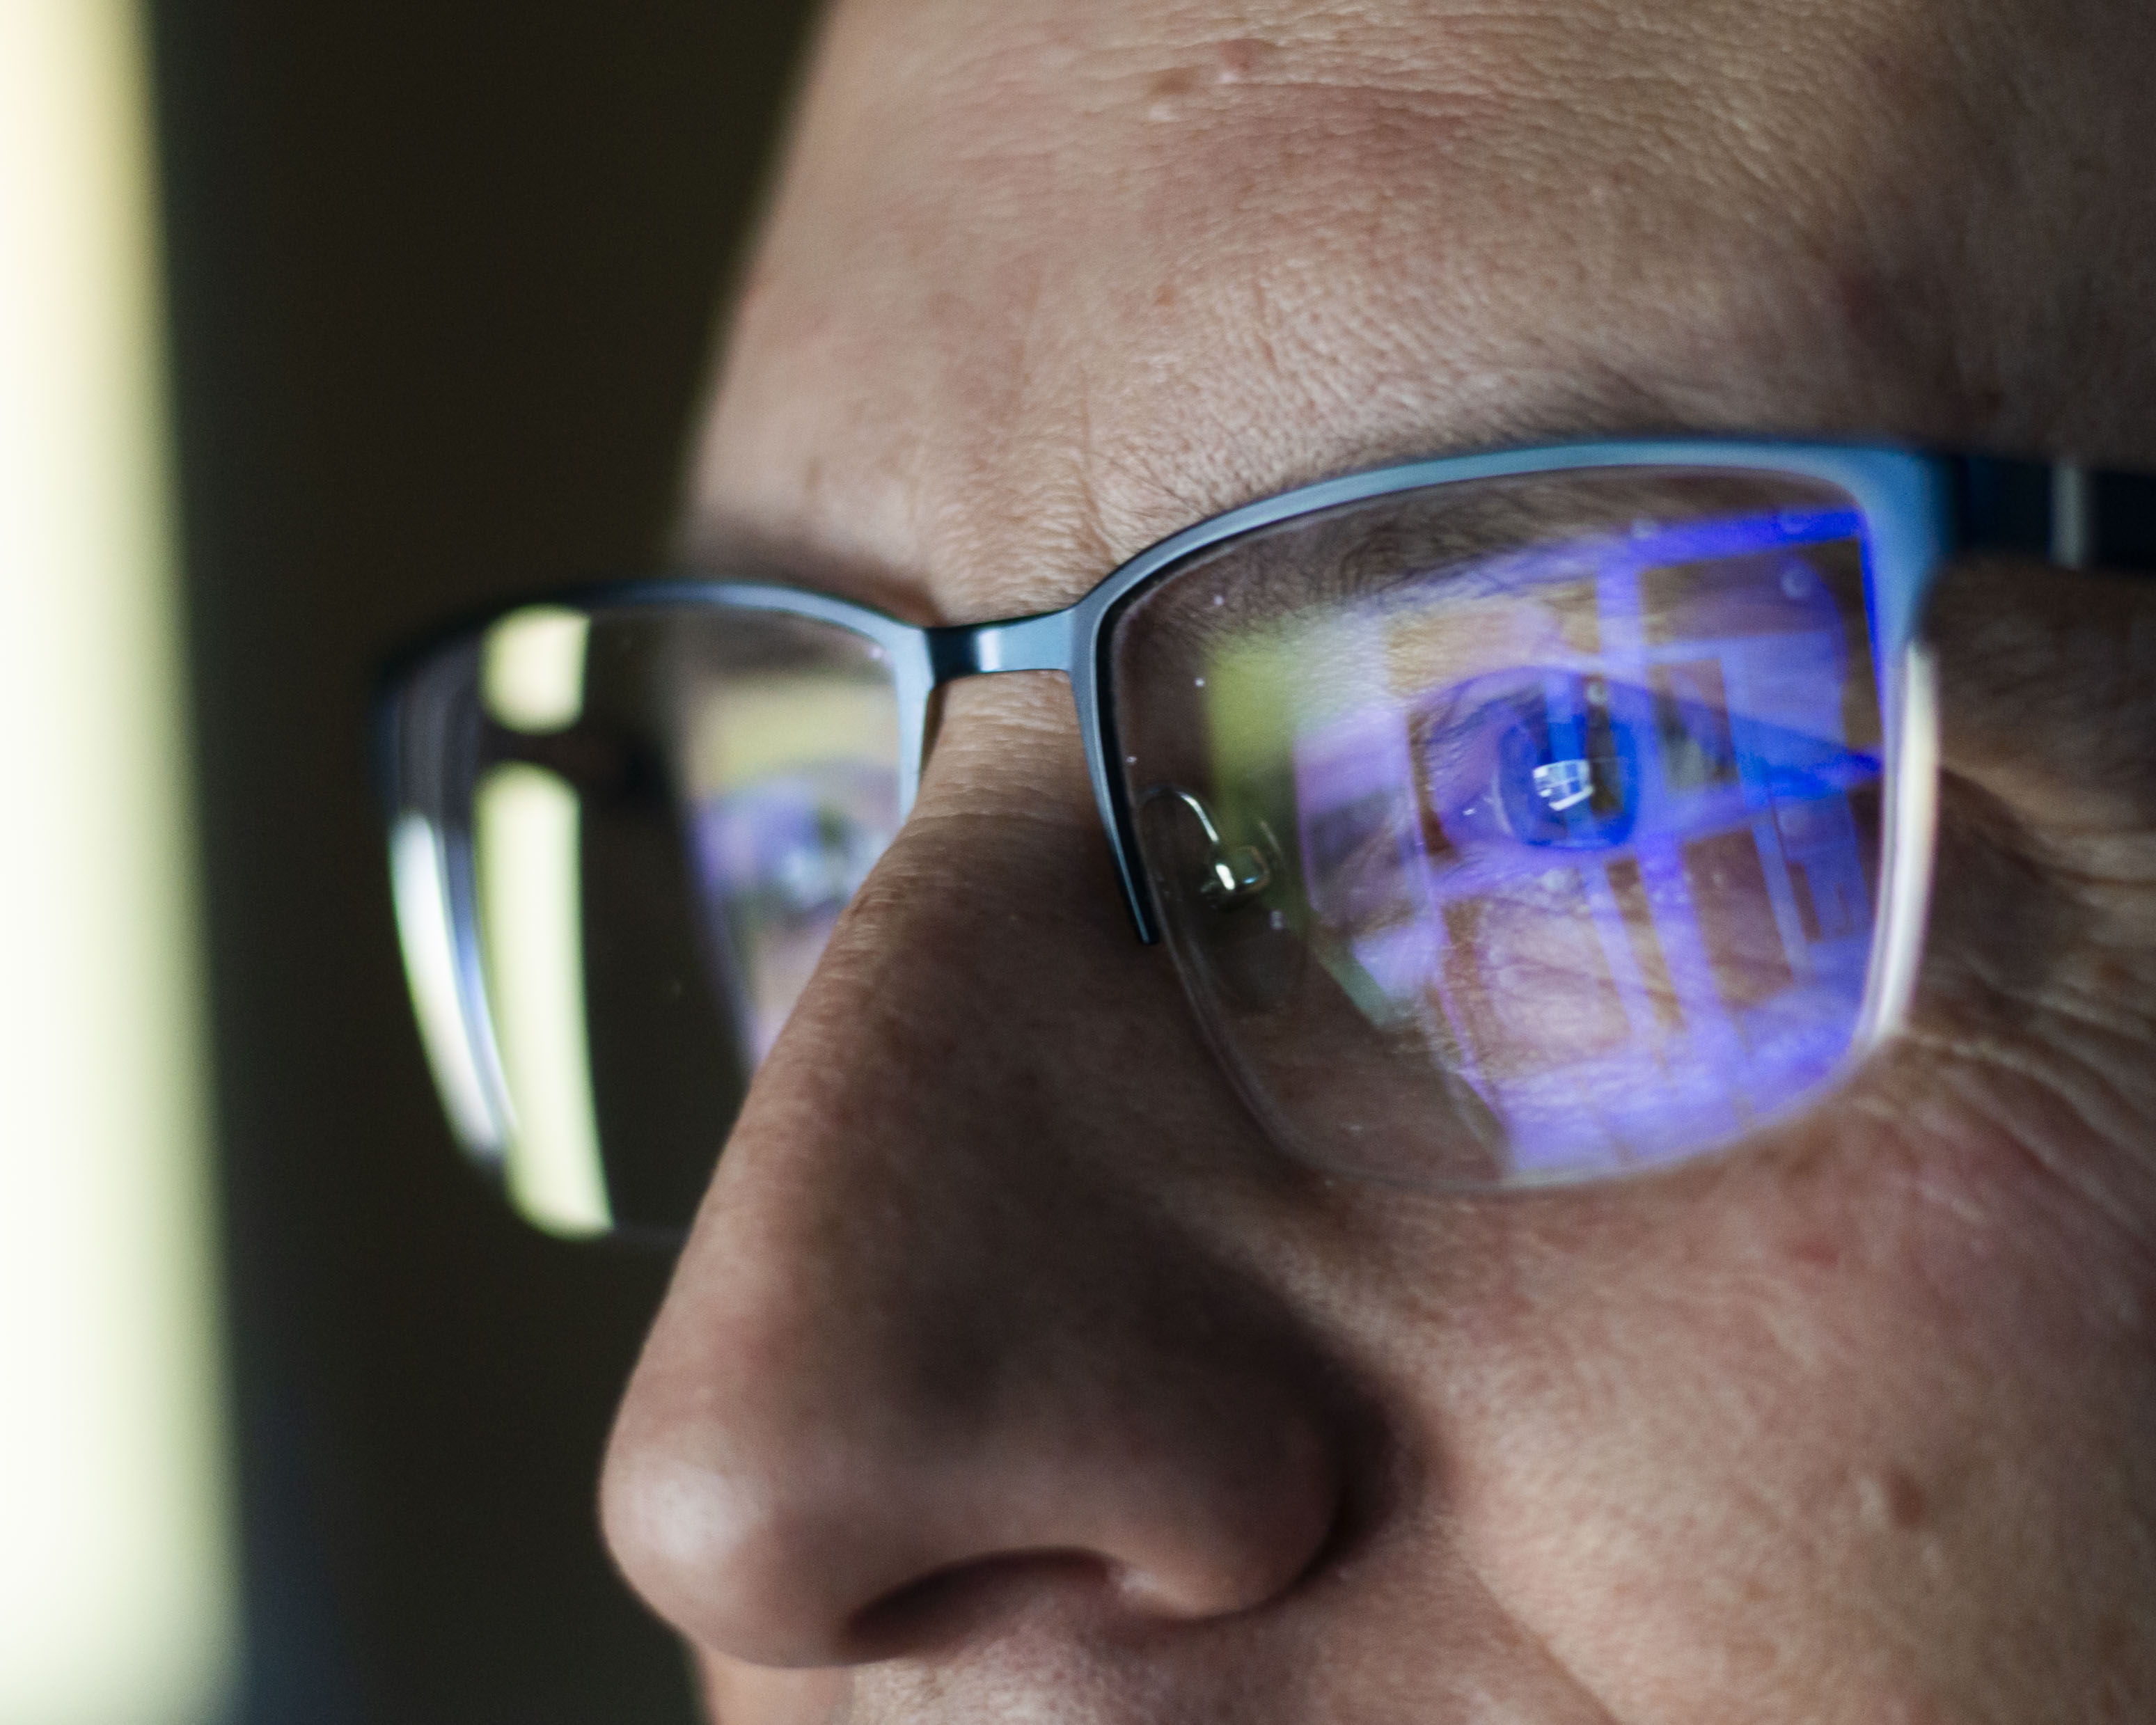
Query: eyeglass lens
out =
(1520, 831)
(669, 809)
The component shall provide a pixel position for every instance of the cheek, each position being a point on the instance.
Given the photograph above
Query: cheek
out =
(1865, 1435)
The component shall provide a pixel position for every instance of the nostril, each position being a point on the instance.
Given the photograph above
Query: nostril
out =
(975, 1599)
(981, 1598)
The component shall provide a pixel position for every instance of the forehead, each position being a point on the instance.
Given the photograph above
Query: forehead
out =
(1042, 283)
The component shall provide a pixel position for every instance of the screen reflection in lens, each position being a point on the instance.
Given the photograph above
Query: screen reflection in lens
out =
(1590, 825)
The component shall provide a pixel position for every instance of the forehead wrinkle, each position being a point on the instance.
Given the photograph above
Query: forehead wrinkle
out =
(1367, 49)
(1007, 330)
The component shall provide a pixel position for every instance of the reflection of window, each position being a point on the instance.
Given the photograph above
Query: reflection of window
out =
(1692, 721)
(1826, 874)
(1628, 885)
(1528, 976)
(1736, 916)
(1769, 592)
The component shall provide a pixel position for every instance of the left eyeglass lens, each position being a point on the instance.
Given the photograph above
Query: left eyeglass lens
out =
(650, 821)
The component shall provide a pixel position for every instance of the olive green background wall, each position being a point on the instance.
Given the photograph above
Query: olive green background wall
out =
(443, 277)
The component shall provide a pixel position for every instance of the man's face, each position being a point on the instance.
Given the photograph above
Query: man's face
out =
(1008, 1374)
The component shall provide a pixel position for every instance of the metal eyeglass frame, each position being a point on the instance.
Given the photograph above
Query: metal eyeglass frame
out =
(1921, 509)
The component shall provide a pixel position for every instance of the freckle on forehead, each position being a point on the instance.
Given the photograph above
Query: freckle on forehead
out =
(1890, 1499)
(1237, 60)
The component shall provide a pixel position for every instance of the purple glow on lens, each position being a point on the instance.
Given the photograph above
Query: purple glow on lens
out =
(778, 859)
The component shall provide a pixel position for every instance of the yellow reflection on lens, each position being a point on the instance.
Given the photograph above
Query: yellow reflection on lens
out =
(526, 825)
(749, 728)
(532, 675)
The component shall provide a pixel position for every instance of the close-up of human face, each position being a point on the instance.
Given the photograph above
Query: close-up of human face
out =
(1013, 1369)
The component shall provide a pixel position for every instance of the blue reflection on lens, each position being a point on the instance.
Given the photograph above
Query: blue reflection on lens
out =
(795, 844)
(1568, 765)
(1629, 887)
(779, 857)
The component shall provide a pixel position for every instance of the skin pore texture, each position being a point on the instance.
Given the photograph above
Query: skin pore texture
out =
(1009, 1375)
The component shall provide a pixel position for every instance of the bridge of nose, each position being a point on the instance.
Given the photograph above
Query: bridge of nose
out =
(1055, 641)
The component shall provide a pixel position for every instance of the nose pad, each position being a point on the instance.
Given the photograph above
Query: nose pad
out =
(1346, 1079)
(1229, 878)
(1228, 905)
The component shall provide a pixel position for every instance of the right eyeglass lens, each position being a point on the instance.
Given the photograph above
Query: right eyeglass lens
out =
(1519, 830)
(668, 808)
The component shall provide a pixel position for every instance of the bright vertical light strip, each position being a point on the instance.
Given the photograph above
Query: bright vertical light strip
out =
(417, 869)
(116, 1599)
(530, 901)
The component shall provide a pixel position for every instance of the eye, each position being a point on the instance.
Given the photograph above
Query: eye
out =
(1568, 767)
(1546, 758)
(795, 846)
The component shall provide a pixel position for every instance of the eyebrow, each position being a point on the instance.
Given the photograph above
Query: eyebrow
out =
(710, 544)
(711, 541)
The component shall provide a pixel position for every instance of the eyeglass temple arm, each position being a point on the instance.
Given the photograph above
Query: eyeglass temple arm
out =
(2077, 517)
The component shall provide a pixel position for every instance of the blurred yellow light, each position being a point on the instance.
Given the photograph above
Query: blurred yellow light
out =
(530, 901)
(116, 1597)
(532, 674)
(750, 728)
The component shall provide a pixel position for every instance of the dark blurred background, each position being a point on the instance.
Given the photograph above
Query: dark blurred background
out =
(444, 276)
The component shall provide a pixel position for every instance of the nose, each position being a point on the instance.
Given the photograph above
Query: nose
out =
(952, 1339)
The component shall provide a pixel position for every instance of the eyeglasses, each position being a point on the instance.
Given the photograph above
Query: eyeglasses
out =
(1519, 818)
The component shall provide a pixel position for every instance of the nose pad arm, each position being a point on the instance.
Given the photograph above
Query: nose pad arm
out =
(1230, 877)
(1228, 907)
